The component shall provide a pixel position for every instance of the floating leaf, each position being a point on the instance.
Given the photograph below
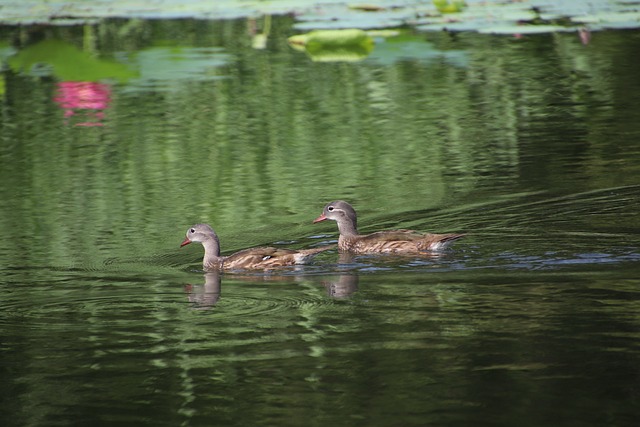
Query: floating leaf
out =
(329, 14)
(367, 7)
(525, 29)
(334, 45)
(620, 25)
(449, 6)
(609, 17)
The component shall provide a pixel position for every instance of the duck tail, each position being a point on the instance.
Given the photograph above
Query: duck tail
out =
(444, 240)
(306, 255)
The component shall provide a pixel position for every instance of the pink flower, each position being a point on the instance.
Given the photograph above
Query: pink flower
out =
(585, 35)
(86, 98)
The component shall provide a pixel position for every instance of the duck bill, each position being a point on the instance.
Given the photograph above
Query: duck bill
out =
(320, 218)
(186, 241)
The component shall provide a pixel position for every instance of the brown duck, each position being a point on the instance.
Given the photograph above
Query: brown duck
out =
(263, 258)
(387, 242)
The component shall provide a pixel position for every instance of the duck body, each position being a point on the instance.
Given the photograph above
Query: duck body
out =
(382, 242)
(396, 242)
(260, 258)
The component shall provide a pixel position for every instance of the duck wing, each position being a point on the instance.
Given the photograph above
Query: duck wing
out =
(402, 241)
(267, 257)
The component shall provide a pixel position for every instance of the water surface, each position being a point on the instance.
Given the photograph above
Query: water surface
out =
(528, 145)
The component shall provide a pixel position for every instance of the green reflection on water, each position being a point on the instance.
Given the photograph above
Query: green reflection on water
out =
(260, 151)
(265, 147)
(67, 62)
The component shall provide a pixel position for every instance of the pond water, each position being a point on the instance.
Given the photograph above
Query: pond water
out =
(530, 145)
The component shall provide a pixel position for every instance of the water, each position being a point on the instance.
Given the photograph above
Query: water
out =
(529, 146)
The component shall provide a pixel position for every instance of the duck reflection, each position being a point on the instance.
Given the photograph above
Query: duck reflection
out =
(346, 257)
(207, 295)
(341, 286)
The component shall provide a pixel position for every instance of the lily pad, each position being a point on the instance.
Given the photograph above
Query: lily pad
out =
(608, 18)
(450, 26)
(342, 17)
(334, 45)
(525, 29)
(449, 6)
(620, 25)
(330, 14)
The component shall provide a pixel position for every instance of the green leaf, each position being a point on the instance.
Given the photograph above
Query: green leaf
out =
(67, 62)
(334, 45)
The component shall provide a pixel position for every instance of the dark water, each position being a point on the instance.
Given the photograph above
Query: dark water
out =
(528, 145)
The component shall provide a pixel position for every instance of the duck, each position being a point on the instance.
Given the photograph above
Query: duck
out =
(260, 258)
(383, 242)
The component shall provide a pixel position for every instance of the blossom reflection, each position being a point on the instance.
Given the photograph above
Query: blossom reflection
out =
(84, 100)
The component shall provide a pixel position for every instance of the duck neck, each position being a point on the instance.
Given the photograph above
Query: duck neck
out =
(212, 258)
(347, 228)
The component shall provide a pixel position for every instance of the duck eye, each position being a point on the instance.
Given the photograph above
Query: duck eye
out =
(330, 208)
(192, 230)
